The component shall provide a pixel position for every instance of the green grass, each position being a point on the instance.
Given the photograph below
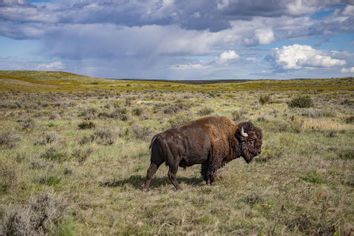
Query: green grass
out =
(44, 81)
(301, 184)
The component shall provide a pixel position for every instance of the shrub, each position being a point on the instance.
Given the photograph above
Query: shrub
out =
(47, 138)
(301, 102)
(120, 113)
(9, 139)
(137, 111)
(51, 124)
(27, 124)
(349, 120)
(347, 102)
(88, 114)
(81, 154)
(174, 108)
(263, 99)
(103, 136)
(40, 216)
(7, 175)
(104, 115)
(128, 101)
(253, 199)
(205, 111)
(140, 132)
(346, 154)
(87, 125)
(54, 155)
(303, 223)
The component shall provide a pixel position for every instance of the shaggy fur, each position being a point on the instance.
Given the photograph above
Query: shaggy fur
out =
(211, 141)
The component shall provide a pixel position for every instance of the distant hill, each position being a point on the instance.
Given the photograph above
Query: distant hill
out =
(42, 81)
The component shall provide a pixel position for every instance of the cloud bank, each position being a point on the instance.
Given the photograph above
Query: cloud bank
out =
(163, 37)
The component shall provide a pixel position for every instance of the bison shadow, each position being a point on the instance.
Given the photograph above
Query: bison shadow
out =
(137, 181)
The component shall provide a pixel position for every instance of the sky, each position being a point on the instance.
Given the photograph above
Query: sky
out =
(180, 39)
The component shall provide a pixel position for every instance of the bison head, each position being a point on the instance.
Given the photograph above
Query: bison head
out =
(250, 139)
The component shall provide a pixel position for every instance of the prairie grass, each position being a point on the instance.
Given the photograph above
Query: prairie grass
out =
(301, 183)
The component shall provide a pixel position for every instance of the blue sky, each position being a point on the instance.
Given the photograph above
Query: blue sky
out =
(180, 39)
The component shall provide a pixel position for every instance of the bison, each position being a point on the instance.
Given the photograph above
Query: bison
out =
(211, 141)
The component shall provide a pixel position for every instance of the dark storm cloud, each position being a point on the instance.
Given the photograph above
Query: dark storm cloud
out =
(213, 15)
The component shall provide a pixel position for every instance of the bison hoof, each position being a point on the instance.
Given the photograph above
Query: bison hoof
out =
(179, 188)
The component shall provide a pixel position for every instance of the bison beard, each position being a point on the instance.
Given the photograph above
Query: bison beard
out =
(210, 141)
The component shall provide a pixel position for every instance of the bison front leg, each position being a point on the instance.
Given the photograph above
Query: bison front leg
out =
(204, 171)
(207, 172)
(213, 166)
(172, 176)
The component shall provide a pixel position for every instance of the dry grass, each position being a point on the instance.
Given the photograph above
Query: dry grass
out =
(301, 184)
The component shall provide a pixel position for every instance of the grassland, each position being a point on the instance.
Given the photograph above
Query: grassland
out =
(44, 81)
(74, 152)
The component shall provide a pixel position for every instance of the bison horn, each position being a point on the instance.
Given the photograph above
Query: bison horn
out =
(243, 133)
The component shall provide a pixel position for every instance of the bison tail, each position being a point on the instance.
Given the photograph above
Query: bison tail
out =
(153, 140)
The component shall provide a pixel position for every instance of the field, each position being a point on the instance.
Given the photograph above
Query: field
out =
(74, 151)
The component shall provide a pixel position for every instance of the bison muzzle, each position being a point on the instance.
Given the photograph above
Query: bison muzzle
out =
(211, 141)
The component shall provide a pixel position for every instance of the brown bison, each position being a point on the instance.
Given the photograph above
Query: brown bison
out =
(211, 141)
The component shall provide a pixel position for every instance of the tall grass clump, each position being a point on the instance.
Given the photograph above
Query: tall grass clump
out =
(205, 111)
(264, 99)
(7, 175)
(54, 155)
(47, 138)
(301, 102)
(86, 125)
(137, 111)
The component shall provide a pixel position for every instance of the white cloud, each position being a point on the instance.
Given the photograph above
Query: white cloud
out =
(227, 56)
(348, 10)
(221, 4)
(55, 65)
(303, 56)
(347, 70)
(300, 7)
(264, 36)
